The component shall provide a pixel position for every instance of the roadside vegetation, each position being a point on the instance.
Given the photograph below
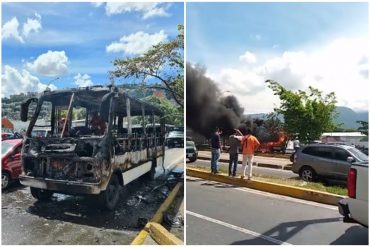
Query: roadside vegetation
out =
(318, 186)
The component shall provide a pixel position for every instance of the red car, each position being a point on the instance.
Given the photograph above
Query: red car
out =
(10, 161)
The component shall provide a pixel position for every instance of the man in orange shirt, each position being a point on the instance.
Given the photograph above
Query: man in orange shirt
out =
(249, 145)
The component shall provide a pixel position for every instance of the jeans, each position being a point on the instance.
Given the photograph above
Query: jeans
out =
(214, 159)
(247, 159)
(233, 163)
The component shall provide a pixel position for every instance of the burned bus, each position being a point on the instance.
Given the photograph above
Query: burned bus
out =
(97, 157)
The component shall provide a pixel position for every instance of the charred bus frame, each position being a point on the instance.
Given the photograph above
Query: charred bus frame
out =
(76, 161)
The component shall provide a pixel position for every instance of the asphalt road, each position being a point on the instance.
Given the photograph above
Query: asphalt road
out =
(71, 220)
(224, 214)
(256, 170)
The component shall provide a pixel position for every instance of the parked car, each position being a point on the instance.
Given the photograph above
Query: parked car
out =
(41, 133)
(11, 166)
(191, 151)
(325, 160)
(7, 136)
(355, 208)
(175, 139)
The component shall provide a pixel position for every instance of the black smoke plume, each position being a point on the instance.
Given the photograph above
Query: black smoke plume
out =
(206, 109)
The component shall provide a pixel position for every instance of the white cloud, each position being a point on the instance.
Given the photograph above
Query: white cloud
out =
(52, 63)
(15, 82)
(10, 30)
(83, 80)
(340, 66)
(97, 4)
(147, 9)
(248, 57)
(32, 25)
(137, 43)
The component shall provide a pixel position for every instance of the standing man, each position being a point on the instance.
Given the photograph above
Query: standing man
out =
(296, 144)
(216, 150)
(233, 154)
(249, 145)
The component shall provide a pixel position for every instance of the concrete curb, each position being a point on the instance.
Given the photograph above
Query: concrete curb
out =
(287, 167)
(161, 235)
(286, 190)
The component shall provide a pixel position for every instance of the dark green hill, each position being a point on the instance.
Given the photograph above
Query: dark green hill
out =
(346, 116)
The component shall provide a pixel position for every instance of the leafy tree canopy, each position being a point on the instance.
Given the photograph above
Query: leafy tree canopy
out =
(364, 128)
(164, 62)
(173, 114)
(306, 114)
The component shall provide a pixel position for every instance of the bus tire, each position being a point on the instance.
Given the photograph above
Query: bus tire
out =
(41, 194)
(110, 197)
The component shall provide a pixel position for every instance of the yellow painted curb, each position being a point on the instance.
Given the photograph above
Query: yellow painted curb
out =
(158, 216)
(286, 190)
(162, 236)
(140, 238)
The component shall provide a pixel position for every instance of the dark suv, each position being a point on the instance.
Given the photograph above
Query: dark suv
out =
(325, 160)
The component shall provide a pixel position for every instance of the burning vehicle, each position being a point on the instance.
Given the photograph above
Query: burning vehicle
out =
(97, 157)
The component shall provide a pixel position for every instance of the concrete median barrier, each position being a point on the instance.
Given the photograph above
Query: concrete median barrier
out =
(296, 192)
(160, 234)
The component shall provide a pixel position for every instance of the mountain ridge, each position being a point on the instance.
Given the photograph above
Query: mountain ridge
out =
(346, 116)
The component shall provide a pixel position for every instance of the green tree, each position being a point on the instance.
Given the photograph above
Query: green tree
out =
(307, 114)
(273, 123)
(364, 128)
(164, 62)
(173, 114)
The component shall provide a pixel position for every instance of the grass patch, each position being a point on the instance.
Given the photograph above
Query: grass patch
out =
(318, 186)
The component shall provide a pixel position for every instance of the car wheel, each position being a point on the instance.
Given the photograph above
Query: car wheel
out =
(307, 174)
(5, 180)
(192, 159)
(41, 194)
(109, 198)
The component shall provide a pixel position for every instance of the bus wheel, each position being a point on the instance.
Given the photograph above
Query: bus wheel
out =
(41, 194)
(109, 198)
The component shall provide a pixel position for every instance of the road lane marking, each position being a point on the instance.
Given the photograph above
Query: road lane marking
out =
(287, 198)
(237, 228)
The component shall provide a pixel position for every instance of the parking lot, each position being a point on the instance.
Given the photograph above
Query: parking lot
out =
(72, 220)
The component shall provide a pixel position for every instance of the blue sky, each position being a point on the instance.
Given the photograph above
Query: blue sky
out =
(298, 44)
(77, 41)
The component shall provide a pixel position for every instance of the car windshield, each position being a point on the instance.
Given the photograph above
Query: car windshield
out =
(176, 134)
(39, 133)
(5, 148)
(190, 144)
(360, 155)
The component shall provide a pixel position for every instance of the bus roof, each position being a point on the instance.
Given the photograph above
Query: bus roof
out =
(91, 98)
